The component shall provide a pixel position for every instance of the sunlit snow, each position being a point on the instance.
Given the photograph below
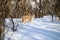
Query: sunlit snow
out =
(40, 29)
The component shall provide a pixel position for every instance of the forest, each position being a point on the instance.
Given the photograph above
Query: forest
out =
(18, 8)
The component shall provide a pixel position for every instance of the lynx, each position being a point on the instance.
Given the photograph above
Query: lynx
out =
(26, 18)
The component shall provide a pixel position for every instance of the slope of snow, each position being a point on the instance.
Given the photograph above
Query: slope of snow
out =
(40, 29)
(49, 18)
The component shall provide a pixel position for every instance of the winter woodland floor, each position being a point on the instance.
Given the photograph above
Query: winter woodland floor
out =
(40, 29)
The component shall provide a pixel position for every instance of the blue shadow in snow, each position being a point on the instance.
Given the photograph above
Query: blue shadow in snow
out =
(47, 33)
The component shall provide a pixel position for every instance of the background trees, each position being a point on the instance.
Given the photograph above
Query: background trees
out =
(17, 8)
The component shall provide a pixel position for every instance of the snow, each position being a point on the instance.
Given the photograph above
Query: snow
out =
(49, 18)
(41, 29)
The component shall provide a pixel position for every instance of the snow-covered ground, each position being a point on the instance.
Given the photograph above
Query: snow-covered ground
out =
(40, 29)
